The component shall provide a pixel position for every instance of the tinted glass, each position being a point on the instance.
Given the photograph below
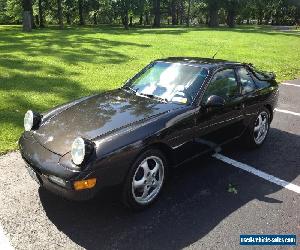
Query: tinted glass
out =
(247, 82)
(223, 84)
(174, 82)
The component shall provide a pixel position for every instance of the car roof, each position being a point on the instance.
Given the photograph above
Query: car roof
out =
(207, 62)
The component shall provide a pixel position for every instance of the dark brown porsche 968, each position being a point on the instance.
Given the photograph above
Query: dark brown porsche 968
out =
(174, 110)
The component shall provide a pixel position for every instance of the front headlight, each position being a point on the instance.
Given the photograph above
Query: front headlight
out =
(81, 149)
(28, 120)
(32, 120)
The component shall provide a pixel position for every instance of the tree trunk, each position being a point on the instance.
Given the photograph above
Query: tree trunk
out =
(37, 20)
(68, 16)
(147, 19)
(60, 14)
(173, 10)
(213, 13)
(125, 18)
(125, 21)
(80, 10)
(27, 22)
(32, 18)
(156, 13)
(41, 14)
(231, 18)
(188, 19)
(141, 19)
(181, 12)
(260, 17)
(259, 21)
(297, 16)
(95, 18)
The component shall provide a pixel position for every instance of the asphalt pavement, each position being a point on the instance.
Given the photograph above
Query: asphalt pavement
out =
(195, 211)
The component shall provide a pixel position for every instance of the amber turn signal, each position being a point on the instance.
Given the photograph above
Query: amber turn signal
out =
(85, 184)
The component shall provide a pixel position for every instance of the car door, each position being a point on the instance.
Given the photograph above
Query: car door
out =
(218, 125)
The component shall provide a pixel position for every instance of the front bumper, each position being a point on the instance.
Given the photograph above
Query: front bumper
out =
(44, 164)
(71, 194)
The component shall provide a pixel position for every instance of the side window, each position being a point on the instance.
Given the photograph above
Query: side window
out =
(223, 84)
(247, 82)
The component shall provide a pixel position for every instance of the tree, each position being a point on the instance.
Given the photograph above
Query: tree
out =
(147, 12)
(95, 5)
(232, 7)
(125, 17)
(156, 8)
(60, 14)
(41, 13)
(141, 10)
(174, 12)
(213, 9)
(188, 18)
(80, 12)
(27, 15)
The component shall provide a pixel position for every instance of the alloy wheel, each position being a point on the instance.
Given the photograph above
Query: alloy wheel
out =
(148, 180)
(261, 127)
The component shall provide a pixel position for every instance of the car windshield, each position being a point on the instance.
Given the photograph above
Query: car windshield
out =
(171, 82)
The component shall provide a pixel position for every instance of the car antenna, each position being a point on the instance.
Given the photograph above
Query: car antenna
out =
(216, 52)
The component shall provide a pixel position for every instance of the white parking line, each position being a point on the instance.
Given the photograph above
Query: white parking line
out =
(4, 242)
(290, 84)
(268, 177)
(287, 112)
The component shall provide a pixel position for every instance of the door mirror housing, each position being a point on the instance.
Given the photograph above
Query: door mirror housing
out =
(215, 101)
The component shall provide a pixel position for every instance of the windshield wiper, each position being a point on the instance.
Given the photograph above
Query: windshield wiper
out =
(130, 89)
(154, 97)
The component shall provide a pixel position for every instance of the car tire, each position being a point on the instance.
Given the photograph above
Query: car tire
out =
(145, 180)
(258, 130)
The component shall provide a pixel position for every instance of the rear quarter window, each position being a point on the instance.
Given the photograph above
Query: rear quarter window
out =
(260, 79)
(261, 84)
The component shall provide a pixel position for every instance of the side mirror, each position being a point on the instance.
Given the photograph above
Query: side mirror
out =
(215, 101)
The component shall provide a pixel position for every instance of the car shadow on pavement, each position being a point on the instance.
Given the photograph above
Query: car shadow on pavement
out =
(195, 200)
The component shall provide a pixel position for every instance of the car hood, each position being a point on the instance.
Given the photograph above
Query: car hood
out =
(94, 116)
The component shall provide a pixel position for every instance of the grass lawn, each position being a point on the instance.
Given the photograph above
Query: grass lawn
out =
(49, 67)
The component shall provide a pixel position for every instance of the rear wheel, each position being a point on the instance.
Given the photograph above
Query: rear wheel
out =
(257, 132)
(145, 180)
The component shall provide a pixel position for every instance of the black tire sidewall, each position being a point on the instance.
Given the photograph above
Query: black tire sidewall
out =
(127, 196)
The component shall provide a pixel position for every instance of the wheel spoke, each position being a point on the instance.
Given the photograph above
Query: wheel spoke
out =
(259, 120)
(259, 124)
(155, 169)
(139, 183)
(256, 128)
(155, 184)
(146, 168)
(145, 193)
(259, 134)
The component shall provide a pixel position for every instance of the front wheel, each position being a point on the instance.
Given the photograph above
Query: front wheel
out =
(257, 132)
(145, 180)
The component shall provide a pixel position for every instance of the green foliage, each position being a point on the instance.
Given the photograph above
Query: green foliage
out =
(279, 12)
(11, 11)
(232, 188)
